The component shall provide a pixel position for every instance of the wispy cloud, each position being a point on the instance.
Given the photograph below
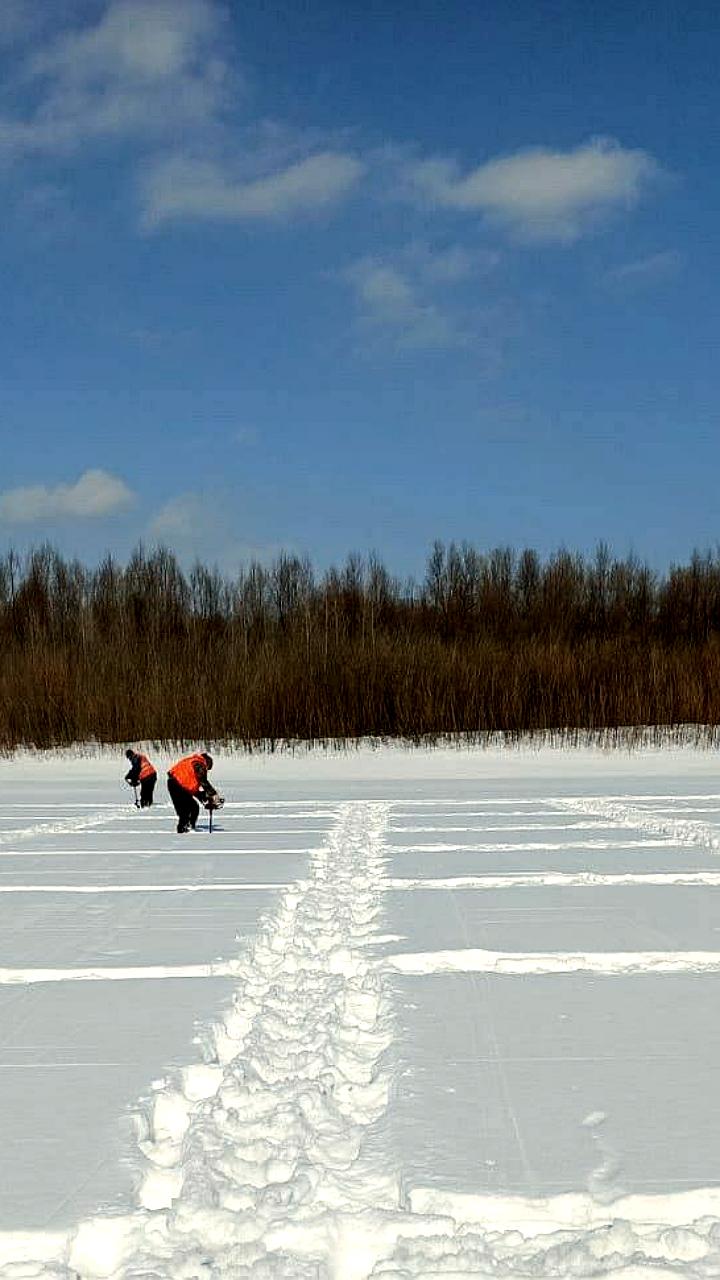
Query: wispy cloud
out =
(180, 187)
(146, 68)
(406, 300)
(199, 526)
(538, 193)
(156, 76)
(391, 308)
(450, 263)
(95, 494)
(180, 518)
(653, 269)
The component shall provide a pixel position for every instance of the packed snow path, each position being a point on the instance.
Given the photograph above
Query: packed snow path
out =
(272, 1158)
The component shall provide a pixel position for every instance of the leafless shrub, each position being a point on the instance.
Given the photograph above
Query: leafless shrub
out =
(496, 642)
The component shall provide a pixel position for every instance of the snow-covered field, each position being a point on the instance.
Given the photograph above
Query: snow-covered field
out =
(403, 1013)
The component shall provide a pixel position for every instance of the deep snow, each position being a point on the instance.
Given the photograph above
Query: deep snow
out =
(404, 1013)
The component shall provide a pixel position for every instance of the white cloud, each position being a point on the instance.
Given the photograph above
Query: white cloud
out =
(181, 187)
(200, 526)
(95, 494)
(146, 68)
(410, 300)
(539, 193)
(449, 265)
(647, 271)
(141, 39)
(181, 518)
(392, 305)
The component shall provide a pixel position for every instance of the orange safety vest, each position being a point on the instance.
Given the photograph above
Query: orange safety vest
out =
(147, 770)
(184, 772)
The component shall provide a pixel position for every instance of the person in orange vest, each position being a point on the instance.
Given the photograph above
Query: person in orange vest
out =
(143, 772)
(189, 779)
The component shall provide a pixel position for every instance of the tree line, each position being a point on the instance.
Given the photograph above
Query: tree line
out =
(486, 641)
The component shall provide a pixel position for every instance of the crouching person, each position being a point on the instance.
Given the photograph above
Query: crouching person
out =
(141, 772)
(188, 783)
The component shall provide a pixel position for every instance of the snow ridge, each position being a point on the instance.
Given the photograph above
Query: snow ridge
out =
(678, 830)
(480, 960)
(531, 846)
(63, 826)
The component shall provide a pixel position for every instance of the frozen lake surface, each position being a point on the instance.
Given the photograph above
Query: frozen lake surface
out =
(403, 1013)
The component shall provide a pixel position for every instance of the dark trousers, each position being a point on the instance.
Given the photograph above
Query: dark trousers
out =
(186, 806)
(147, 787)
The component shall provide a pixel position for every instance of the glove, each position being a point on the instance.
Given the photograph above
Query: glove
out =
(213, 802)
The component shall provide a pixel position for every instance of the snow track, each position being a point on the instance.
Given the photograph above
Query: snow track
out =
(263, 1146)
(480, 960)
(63, 826)
(681, 831)
(116, 973)
(556, 880)
(532, 846)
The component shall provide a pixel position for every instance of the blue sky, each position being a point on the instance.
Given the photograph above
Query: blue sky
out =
(326, 278)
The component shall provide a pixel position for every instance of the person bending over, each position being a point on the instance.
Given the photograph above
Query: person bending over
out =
(188, 783)
(143, 772)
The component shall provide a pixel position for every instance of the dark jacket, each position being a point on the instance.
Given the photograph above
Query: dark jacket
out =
(136, 768)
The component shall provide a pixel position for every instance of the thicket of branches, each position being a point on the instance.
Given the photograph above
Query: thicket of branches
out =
(498, 641)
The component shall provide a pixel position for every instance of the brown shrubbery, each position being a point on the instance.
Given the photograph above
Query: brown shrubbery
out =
(486, 642)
